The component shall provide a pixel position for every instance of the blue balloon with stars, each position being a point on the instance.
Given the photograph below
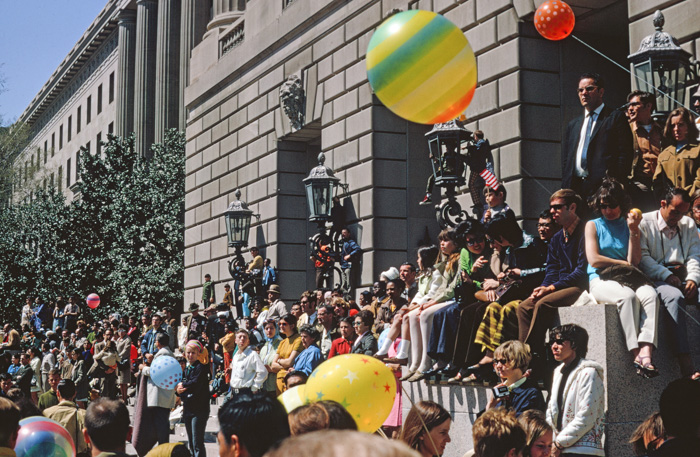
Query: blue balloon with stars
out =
(166, 372)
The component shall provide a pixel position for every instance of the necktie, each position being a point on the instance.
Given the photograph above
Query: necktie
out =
(584, 150)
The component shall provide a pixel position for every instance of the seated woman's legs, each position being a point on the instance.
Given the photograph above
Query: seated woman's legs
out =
(649, 310)
(411, 329)
(426, 326)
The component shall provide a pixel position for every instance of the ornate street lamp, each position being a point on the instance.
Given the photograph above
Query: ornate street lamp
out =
(448, 167)
(660, 63)
(238, 217)
(321, 186)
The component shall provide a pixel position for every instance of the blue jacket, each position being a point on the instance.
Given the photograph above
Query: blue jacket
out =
(351, 248)
(308, 360)
(269, 276)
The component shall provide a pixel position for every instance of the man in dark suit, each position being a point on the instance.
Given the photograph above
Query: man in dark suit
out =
(596, 143)
(365, 343)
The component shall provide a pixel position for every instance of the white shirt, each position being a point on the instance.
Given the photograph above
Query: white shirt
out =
(247, 370)
(580, 171)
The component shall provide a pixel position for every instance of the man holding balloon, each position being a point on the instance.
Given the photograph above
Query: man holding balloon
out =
(159, 400)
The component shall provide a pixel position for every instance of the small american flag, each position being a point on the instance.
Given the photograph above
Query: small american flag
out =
(489, 178)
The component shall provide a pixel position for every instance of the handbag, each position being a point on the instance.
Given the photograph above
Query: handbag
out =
(627, 275)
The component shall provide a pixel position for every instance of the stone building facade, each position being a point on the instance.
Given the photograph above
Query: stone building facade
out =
(238, 135)
(124, 75)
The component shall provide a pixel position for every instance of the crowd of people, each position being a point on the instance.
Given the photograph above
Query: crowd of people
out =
(478, 306)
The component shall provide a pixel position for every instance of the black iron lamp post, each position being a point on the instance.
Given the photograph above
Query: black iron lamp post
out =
(448, 168)
(238, 217)
(660, 63)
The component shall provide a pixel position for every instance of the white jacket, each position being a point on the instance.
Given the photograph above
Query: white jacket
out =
(653, 249)
(436, 283)
(247, 370)
(155, 396)
(583, 424)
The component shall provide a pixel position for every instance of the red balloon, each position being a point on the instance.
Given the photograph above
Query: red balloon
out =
(554, 20)
(93, 301)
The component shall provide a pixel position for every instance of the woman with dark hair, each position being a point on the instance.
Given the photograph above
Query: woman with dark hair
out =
(268, 353)
(538, 432)
(614, 240)
(310, 357)
(427, 428)
(679, 163)
(365, 343)
(288, 350)
(343, 345)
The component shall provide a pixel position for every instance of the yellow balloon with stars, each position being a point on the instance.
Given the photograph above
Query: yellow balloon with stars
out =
(362, 384)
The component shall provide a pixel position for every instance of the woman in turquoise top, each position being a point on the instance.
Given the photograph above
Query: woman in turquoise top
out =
(613, 240)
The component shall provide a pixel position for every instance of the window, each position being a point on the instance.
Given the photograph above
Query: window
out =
(110, 128)
(70, 127)
(38, 157)
(98, 142)
(111, 87)
(52, 179)
(60, 137)
(68, 173)
(99, 99)
(60, 179)
(88, 110)
(53, 143)
(46, 151)
(26, 171)
(77, 120)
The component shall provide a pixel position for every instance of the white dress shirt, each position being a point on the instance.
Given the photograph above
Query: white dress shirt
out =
(580, 171)
(247, 370)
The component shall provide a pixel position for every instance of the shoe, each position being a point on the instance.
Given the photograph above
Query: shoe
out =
(417, 376)
(426, 200)
(645, 370)
(431, 373)
(456, 379)
(448, 372)
(408, 375)
(382, 357)
(395, 360)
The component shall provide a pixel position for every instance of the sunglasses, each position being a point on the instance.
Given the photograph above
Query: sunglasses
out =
(557, 207)
(503, 362)
(559, 341)
(472, 242)
(356, 324)
(608, 205)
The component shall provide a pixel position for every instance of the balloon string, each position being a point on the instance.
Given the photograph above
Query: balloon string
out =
(425, 427)
(627, 70)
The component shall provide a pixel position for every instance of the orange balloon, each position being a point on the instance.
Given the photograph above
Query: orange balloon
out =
(554, 20)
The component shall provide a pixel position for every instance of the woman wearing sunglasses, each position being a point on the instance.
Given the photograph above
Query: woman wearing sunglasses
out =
(516, 390)
(614, 239)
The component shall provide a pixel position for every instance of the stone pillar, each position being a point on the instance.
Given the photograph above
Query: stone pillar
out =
(167, 96)
(125, 83)
(224, 13)
(144, 84)
(193, 24)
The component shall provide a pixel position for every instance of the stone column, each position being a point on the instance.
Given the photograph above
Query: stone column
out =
(225, 12)
(144, 84)
(125, 82)
(167, 97)
(193, 24)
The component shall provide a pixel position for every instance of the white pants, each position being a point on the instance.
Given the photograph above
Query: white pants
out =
(637, 310)
(420, 328)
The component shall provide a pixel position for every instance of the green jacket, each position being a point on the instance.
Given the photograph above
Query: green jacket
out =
(208, 292)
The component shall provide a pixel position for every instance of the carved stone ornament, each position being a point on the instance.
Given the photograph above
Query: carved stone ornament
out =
(292, 99)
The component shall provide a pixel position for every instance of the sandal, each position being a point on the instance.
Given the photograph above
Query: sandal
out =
(645, 370)
(457, 379)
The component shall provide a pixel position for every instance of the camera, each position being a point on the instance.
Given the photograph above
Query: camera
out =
(501, 391)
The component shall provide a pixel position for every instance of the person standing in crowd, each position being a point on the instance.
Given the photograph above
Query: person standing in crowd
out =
(595, 144)
(241, 420)
(9, 426)
(208, 292)
(350, 253)
(269, 274)
(267, 355)
(646, 140)
(35, 363)
(79, 377)
(247, 370)
(107, 428)
(326, 328)
(310, 357)
(539, 434)
(278, 308)
(194, 392)
(158, 400)
(427, 428)
(678, 164)
(67, 413)
(48, 363)
(565, 274)
(228, 300)
(365, 343)
(576, 407)
(70, 314)
(50, 397)
(671, 258)
(196, 323)
(288, 350)
(124, 363)
(614, 240)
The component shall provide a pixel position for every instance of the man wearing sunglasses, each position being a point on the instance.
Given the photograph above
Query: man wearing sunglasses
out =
(565, 276)
(595, 143)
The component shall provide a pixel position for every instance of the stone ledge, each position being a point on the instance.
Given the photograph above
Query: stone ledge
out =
(623, 387)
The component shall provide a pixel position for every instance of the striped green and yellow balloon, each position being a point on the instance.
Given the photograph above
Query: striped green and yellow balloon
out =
(420, 65)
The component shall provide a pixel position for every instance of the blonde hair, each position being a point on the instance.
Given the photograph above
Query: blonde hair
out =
(516, 352)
